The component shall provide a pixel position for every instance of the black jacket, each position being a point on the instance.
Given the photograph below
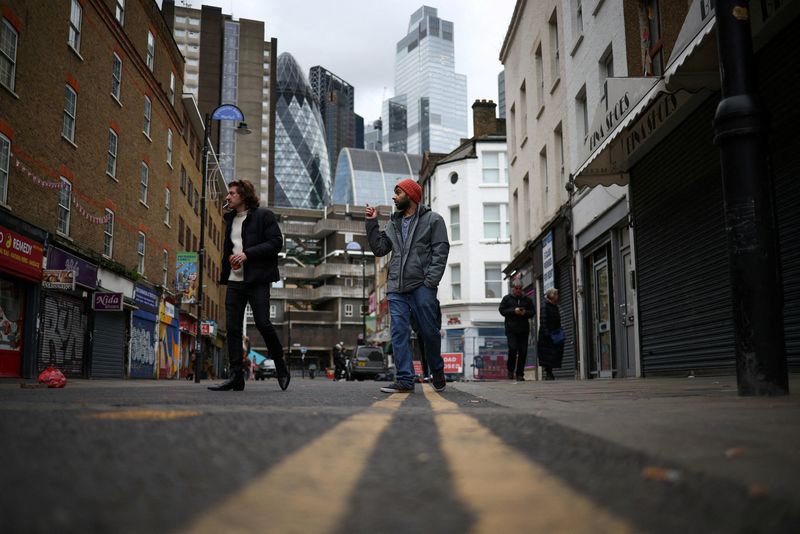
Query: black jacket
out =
(261, 242)
(516, 324)
(549, 353)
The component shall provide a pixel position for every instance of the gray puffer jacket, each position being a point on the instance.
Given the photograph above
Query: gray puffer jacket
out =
(423, 257)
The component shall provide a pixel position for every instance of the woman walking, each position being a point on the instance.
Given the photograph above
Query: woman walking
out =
(550, 345)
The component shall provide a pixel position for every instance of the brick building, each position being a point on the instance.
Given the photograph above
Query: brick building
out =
(102, 152)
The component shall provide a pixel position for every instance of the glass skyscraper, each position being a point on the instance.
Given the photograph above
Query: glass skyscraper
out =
(429, 109)
(302, 168)
(369, 176)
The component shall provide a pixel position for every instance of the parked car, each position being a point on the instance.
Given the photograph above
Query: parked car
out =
(266, 369)
(368, 362)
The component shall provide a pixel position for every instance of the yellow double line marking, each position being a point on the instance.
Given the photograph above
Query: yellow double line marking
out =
(309, 491)
(503, 489)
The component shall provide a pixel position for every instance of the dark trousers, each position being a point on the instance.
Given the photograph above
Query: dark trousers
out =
(517, 352)
(236, 299)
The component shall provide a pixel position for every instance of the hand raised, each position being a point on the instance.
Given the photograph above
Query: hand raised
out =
(370, 212)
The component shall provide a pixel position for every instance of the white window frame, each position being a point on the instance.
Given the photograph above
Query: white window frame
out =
(523, 109)
(544, 175)
(539, 66)
(502, 167)
(150, 58)
(172, 88)
(144, 178)
(273, 311)
(10, 55)
(581, 113)
(5, 167)
(348, 310)
(164, 267)
(499, 281)
(75, 19)
(167, 201)
(113, 146)
(108, 234)
(116, 76)
(141, 248)
(502, 222)
(555, 52)
(169, 147)
(148, 116)
(64, 207)
(455, 281)
(455, 223)
(70, 116)
(119, 12)
(578, 16)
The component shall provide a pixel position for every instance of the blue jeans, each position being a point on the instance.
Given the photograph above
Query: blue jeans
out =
(422, 303)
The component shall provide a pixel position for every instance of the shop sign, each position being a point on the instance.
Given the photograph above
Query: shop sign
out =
(21, 256)
(145, 298)
(86, 273)
(653, 119)
(453, 318)
(186, 324)
(208, 328)
(58, 279)
(548, 270)
(169, 310)
(107, 301)
(453, 363)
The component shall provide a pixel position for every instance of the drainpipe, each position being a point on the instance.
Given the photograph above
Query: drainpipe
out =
(750, 220)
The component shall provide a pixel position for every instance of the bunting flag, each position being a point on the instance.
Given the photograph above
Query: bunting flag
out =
(47, 184)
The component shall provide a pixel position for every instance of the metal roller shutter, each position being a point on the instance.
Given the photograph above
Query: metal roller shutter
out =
(108, 356)
(685, 316)
(63, 334)
(564, 276)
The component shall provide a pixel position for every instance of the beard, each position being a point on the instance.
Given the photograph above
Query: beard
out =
(403, 205)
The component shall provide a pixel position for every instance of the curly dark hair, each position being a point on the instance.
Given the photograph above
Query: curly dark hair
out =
(247, 190)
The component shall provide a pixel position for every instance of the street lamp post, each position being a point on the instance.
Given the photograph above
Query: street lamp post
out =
(223, 112)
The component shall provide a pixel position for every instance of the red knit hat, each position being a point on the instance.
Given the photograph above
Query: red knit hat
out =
(411, 188)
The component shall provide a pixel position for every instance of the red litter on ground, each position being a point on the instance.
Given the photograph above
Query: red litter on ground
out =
(52, 378)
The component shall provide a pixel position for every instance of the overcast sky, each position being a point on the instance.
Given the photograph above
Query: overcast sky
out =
(355, 39)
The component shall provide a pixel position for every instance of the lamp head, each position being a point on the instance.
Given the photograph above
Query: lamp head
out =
(242, 129)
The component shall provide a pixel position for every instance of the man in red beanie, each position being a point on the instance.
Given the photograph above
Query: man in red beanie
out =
(417, 239)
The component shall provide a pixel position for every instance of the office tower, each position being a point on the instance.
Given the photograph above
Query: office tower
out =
(369, 176)
(359, 131)
(302, 166)
(501, 94)
(429, 109)
(336, 99)
(229, 62)
(373, 135)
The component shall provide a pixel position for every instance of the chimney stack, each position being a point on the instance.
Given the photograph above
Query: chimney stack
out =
(484, 119)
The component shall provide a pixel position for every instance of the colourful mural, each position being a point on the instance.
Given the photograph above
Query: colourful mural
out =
(169, 344)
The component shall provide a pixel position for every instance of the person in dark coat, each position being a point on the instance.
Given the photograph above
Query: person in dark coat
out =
(550, 345)
(517, 310)
(253, 240)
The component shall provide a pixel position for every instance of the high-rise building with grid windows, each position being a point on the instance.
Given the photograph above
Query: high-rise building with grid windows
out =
(336, 100)
(429, 109)
(302, 166)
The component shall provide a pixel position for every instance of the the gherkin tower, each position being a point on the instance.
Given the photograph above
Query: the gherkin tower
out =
(302, 168)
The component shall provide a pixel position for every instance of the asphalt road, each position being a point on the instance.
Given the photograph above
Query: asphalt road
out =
(336, 457)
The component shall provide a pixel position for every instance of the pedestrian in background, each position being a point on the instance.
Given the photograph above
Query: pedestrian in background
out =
(550, 344)
(517, 310)
(253, 240)
(417, 239)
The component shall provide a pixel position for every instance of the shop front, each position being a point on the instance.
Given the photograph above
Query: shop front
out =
(169, 344)
(188, 329)
(68, 285)
(144, 333)
(112, 325)
(21, 258)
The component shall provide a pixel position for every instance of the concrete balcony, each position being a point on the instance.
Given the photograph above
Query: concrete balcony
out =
(322, 228)
(326, 270)
(316, 294)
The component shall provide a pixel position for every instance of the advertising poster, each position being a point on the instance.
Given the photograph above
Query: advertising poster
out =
(186, 276)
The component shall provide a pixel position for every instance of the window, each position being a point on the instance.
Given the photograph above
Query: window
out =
(111, 165)
(151, 50)
(70, 109)
(64, 199)
(582, 113)
(180, 230)
(578, 16)
(453, 178)
(348, 310)
(169, 147)
(196, 201)
(539, 65)
(75, 16)
(455, 280)
(190, 192)
(164, 267)
(273, 311)
(183, 179)
(116, 76)
(140, 253)
(523, 111)
(511, 128)
(495, 221)
(143, 179)
(455, 223)
(120, 11)
(188, 243)
(167, 199)
(545, 178)
(5, 158)
(554, 51)
(171, 93)
(148, 110)
(494, 168)
(606, 70)
(559, 140)
(493, 280)
(108, 234)
(517, 217)
(650, 24)
(527, 203)
(8, 54)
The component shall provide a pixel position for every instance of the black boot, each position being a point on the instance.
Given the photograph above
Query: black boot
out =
(549, 374)
(284, 375)
(234, 383)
